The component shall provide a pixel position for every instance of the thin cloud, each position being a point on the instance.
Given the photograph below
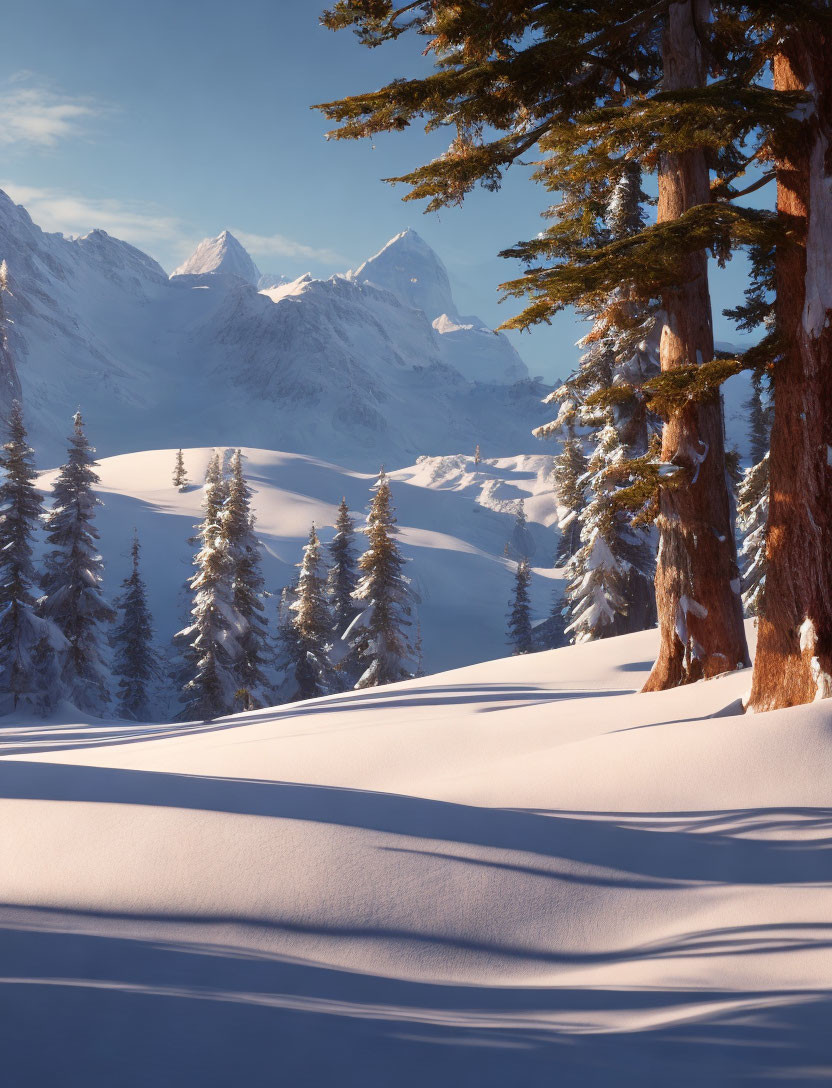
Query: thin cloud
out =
(34, 115)
(68, 213)
(278, 245)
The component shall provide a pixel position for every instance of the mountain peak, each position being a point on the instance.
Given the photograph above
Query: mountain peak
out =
(223, 255)
(411, 270)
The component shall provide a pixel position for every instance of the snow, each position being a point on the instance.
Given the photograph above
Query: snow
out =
(455, 519)
(222, 255)
(513, 873)
(336, 367)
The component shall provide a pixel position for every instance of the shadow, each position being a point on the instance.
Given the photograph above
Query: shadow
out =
(645, 845)
(86, 1006)
(33, 737)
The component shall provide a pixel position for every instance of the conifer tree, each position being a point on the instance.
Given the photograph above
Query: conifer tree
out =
(593, 89)
(342, 570)
(519, 617)
(521, 545)
(211, 640)
(72, 575)
(569, 472)
(752, 517)
(180, 476)
(380, 633)
(30, 647)
(134, 661)
(312, 625)
(244, 550)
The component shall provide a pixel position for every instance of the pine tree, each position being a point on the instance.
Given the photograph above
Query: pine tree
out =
(521, 545)
(134, 661)
(759, 421)
(342, 570)
(752, 518)
(519, 617)
(72, 575)
(27, 642)
(592, 89)
(211, 640)
(180, 476)
(312, 625)
(244, 550)
(568, 472)
(379, 634)
(288, 646)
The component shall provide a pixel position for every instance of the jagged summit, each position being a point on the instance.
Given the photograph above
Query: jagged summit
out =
(409, 268)
(224, 255)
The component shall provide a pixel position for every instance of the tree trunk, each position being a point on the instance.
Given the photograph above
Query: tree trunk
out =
(697, 575)
(794, 652)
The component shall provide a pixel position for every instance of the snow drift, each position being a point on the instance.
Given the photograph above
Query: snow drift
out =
(514, 873)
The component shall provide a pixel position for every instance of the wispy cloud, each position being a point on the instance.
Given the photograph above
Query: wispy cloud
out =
(32, 114)
(68, 213)
(278, 245)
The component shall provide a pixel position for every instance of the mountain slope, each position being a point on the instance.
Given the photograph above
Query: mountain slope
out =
(515, 873)
(455, 518)
(337, 367)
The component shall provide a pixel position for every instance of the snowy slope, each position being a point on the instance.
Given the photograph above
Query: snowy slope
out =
(337, 368)
(512, 874)
(455, 519)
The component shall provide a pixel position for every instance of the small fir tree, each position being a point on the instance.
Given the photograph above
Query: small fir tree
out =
(180, 476)
(521, 545)
(343, 572)
(312, 625)
(379, 634)
(519, 617)
(569, 471)
(211, 640)
(244, 550)
(752, 518)
(73, 573)
(30, 646)
(134, 660)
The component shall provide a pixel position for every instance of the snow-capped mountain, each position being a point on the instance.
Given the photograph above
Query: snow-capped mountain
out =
(409, 268)
(222, 255)
(342, 368)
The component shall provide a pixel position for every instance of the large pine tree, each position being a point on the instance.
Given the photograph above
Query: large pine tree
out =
(72, 576)
(211, 640)
(245, 549)
(134, 658)
(594, 89)
(30, 646)
(379, 634)
(311, 626)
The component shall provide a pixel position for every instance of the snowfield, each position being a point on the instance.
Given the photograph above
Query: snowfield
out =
(518, 872)
(455, 519)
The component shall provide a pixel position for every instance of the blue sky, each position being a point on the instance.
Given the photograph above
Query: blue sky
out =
(169, 120)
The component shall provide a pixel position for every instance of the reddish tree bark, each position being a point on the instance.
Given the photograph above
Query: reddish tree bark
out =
(697, 575)
(793, 663)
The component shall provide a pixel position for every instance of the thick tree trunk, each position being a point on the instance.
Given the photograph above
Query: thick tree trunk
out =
(794, 652)
(697, 575)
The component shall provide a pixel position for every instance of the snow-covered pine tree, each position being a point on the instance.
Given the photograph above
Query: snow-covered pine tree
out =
(30, 646)
(519, 616)
(379, 634)
(247, 580)
(180, 475)
(211, 640)
(568, 473)
(618, 352)
(287, 645)
(521, 544)
(312, 625)
(73, 573)
(752, 519)
(134, 657)
(343, 572)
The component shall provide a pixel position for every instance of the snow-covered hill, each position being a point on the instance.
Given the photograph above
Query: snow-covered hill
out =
(455, 519)
(518, 873)
(339, 368)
